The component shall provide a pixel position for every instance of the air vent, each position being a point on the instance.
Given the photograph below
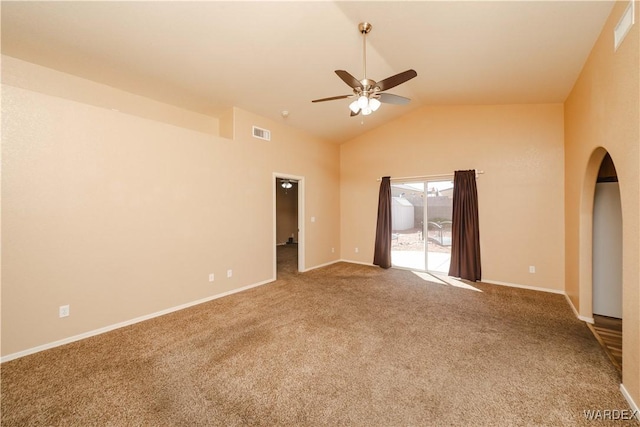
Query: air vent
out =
(624, 25)
(261, 133)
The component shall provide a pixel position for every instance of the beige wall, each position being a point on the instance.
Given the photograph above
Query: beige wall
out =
(520, 149)
(601, 114)
(47, 81)
(121, 216)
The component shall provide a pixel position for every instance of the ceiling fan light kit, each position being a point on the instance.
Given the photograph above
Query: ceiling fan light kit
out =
(364, 105)
(367, 92)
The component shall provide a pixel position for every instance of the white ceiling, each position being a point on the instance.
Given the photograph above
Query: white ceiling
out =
(267, 56)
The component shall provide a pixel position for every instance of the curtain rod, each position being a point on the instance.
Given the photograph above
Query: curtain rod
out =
(425, 177)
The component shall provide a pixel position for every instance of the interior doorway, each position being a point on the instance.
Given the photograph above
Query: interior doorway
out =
(288, 227)
(607, 260)
(607, 243)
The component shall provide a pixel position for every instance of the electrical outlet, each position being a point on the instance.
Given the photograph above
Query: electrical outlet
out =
(63, 311)
(532, 269)
(357, 250)
(212, 277)
(229, 273)
(333, 250)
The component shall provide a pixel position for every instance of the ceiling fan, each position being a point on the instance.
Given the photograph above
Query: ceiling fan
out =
(368, 93)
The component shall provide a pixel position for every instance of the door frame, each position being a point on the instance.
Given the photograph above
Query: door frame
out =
(301, 229)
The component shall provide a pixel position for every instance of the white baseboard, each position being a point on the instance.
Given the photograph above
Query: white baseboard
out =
(515, 285)
(125, 323)
(326, 264)
(358, 262)
(553, 291)
(573, 307)
(632, 405)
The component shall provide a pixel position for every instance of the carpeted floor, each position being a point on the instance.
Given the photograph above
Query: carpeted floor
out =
(341, 345)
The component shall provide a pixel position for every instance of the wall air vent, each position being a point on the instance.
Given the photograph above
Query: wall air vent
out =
(261, 133)
(624, 25)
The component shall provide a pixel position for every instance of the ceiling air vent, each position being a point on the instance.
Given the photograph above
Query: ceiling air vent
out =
(261, 133)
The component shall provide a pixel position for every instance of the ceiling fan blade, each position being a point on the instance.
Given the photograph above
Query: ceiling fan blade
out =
(394, 81)
(390, 98)
(331, 98)
(355, 114)
(349, 79)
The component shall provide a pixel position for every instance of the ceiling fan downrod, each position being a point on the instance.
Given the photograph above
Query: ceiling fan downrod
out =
(364, 103)
(365, 28)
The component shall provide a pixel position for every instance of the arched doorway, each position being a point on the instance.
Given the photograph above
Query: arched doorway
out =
(606, 257)
(607, 243)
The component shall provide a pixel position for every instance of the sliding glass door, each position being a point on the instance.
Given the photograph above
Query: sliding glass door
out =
(421, 225)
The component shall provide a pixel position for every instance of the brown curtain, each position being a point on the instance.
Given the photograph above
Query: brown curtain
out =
(465, 233)
(382, 253)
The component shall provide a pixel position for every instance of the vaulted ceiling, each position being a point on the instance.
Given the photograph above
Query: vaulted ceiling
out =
(266, 57)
